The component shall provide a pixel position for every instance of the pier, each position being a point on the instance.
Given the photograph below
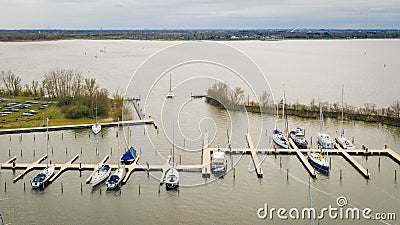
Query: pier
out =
(205, 166)
(78, 126)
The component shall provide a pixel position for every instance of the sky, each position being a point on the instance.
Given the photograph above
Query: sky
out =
(199, 14)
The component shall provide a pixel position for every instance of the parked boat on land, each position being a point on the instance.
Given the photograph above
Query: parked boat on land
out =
(298, 138)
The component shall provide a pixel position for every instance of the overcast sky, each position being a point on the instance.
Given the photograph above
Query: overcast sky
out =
(170, 14)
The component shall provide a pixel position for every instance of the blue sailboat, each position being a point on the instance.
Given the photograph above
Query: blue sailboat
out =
(129, 156)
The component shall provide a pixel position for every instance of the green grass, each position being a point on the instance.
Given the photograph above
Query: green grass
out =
(56, 117)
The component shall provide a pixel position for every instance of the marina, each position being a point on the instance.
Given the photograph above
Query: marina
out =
(205, 167)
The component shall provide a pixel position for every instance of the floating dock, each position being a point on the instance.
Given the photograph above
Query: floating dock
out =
(78, 126)
(205, 167)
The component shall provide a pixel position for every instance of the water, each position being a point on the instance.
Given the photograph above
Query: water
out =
(235, 198)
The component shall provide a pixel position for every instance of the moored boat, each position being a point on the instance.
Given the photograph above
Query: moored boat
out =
(41, 179)
(218, 161)
(129, 156)
(298, 138)
(101, 175)
(115, 180)
(319, 162)
(344, 142)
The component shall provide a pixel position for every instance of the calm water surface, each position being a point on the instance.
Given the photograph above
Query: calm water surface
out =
(235, 198)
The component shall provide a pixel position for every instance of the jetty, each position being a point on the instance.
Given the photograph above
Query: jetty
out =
(205, 166)
(149, 121)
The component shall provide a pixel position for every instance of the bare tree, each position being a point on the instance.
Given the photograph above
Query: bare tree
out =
(12, 82)
(265, 99)
(237, 96)
(395, 108)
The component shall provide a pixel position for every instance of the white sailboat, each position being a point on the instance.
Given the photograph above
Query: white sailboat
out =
(115, 180)
(41, 179)
(324, 140)
(340, 138)
(172, 175)
(96, 128)
(170, 93)
(279, 136)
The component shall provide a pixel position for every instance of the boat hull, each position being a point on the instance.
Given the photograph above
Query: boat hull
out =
(42, 179)
(301, 145)
(318, 166)
(280, 140)
(116, 178)
(172, 179)
(101, 175)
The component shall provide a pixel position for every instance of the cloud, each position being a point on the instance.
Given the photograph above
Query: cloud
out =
(160, 14)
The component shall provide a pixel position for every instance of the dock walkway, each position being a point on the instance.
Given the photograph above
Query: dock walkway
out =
(303, 159)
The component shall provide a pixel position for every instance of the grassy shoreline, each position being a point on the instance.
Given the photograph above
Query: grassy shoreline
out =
(52, 111)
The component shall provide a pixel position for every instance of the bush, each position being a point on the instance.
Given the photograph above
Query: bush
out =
(78, 111)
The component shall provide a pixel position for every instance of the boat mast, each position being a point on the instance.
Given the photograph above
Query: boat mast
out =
(283, 111)
(47, 141)
(170, 85)
(118, 141)
(309, 192)
(173, 145)
(321, 119)
(96, 111)
(342, 100)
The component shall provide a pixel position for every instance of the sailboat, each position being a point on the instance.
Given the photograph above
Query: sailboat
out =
(341, 139)
(129, 156)
(41, 179)
(324, 139)
(278, 136)
(319, 162)
(103, 172)
(96, 128)
(170, 93)
(115, 180)
(172, 175)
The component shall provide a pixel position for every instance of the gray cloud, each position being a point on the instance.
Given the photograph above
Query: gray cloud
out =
(160, 14)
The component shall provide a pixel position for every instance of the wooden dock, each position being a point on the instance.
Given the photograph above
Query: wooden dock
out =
(206, 157)
(352, 161)
(253, 152)
(205, 167)
(303, 159)
(149, 121)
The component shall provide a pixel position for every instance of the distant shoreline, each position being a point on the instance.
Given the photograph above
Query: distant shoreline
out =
(203, 34)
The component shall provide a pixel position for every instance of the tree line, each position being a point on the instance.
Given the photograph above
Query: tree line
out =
(76, 95)
(221, 95)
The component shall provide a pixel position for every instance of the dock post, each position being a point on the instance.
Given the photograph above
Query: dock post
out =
(340, 174)
(158, 189)
(385, 146)
(66, 150)
(287, 174)
(352, 140)
(379, 162)
(75, 136)
(24, 187)
(144, 131)
(21, 152)
(227, 134)
(367, 173)
(330, 162)
(184, 142)
(111, 150)
(234, 173)
(81, 188)
(311, 140)
(62, 136)
(180, 159)
(62, 188)
(81, 150)
(34, 138)
(5, 186)
(280, 162)
(100, 190)
(395, 175)
(80, 169)
(52, 148)
(139, 189)
(33, 152)
(9, 152)
(10, 137)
